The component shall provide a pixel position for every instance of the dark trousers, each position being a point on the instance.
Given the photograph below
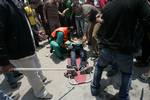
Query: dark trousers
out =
(78, 50)
(124, 63)
(39, 11)
(145, 50)
(35, 34)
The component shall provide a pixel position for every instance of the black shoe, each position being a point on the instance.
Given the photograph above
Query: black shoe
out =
(17, 74)
(95, 91)
(112, 72)
(47, 97)
(15, 85)
(72, 72)
(15, 96)
(69, 66)
(51, 50)
(116, 97)
(67, 75)
(86, 70)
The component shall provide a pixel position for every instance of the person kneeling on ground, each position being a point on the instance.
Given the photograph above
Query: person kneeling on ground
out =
(58, 37)
(76, 48)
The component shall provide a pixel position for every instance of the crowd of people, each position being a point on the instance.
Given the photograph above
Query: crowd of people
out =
(117, 32)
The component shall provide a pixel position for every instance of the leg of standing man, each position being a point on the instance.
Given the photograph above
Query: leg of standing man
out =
(40, 73)
(33, 76)
(125, 64)
(104, 59)
(73, 59)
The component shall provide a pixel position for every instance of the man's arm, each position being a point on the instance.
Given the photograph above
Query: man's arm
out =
(44, 13)
(145, 14)
(3, 20)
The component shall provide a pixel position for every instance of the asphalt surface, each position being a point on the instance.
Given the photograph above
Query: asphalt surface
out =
(59, 86)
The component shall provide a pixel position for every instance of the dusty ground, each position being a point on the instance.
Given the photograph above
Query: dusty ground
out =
(58, 85)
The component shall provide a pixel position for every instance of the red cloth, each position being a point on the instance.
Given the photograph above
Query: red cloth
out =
(102, 3)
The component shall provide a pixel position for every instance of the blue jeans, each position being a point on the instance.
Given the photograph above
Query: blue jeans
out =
(125, 64)
(82, 25)
(4, 96)
(78, 50)
(10, 77)
(79, 21)
(114, 66)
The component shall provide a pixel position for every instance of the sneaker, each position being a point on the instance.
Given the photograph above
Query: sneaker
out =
(86, 70)
(72, 71)
(67, 75)
(95, 91)
(15, 96)
(47, 97)
(116, 97)
(112, 72)
(75, 67)
(70, 67)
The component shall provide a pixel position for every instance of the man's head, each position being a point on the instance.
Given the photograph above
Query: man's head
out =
(77, 8)
(34, 3)
(92, 15)
(74, 35)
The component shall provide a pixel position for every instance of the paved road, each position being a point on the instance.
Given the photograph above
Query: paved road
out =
(58, 84)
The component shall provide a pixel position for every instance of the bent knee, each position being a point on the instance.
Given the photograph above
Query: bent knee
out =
(54, 44)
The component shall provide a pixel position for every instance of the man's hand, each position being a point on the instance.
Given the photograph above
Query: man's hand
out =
(6, 68)
(62, 14)
(65, 11)
(99, 18)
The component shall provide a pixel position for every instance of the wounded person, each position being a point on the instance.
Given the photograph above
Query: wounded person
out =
(76, 49)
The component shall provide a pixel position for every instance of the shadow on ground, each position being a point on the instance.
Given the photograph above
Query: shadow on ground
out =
(29, 96)
(55, 59)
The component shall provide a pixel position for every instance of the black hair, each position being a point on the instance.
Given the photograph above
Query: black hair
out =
(76, 5)
(92, 16)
